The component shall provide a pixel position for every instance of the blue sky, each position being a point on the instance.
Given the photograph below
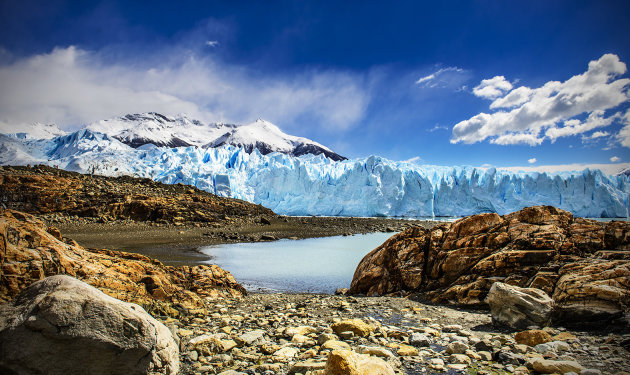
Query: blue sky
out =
(451, 82)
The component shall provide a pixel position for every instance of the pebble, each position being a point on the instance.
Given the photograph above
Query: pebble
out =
(291, 334)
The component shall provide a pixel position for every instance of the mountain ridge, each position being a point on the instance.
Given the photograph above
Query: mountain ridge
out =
(137, 130)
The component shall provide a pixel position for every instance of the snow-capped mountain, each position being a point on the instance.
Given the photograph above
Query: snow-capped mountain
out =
(140, 129)
(317, 185)
(33, 131)
(267, 138)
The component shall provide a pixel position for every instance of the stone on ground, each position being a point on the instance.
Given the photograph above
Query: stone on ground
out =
(519, 308)
(346, 362)
(60, 325)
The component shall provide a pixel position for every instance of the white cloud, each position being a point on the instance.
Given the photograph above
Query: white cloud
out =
(212, 43)
(608, 168)
(615, 159)
(623, 137)
(73, 86)
(492, 88)
(531, 161)
(415, 160)
(514, 98)
(437, 127)
(574, 127)
(449, 77)
(551, 111)
(595, 135)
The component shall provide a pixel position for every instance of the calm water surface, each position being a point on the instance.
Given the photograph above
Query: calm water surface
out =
(315, 265)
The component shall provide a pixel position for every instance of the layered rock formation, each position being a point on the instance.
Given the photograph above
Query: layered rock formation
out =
(54, 193)
(61, 325)
(583, 264)
(30, 251)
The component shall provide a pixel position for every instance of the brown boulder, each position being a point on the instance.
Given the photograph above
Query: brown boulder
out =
(532, 337)
(596, 290)
(537, 247)
(28, 253)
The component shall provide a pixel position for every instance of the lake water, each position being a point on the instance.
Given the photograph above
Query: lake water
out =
(315, 265)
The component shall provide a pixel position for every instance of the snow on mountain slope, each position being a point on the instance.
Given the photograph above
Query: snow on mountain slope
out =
(316, 185)
(267, 138)
(32, 131)
(139, 129)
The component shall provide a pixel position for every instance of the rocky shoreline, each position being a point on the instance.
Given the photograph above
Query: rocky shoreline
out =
(294, 330)
(405, 325)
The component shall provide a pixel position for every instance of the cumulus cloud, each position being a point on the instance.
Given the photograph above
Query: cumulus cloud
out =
(515, 98)
(557, 109)
(492, 88)
(595, 135)
(615, 159)
(74, 86)
(531, 161)
(623, 137)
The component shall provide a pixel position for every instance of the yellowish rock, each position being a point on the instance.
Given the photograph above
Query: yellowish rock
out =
(356, 326)
(335, 344)
(407, 351)
(302, 330)
(346, 362)
(532, 337)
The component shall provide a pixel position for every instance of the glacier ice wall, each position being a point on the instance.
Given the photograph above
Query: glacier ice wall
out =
(315, 185)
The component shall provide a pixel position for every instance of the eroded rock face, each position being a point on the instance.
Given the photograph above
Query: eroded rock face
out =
(61, 325)
(29, 251)
(583, 264)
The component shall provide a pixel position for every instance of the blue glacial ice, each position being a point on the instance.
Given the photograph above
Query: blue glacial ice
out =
(315, 185)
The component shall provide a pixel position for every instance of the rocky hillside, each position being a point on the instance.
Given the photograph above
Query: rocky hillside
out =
(584, 265)
(59, 196)
(31, 251)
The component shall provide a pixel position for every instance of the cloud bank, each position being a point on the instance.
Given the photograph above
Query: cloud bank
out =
(579, 105)
(73, 86)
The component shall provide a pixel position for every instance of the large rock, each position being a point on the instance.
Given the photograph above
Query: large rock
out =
(583, 264)
(30, 251)
(61, 325)
(519, 307)
(346, 362)
(596, 290)
(356, 326)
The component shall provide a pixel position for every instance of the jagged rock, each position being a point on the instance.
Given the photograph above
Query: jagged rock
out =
(61, 325)
(596, 290)
(519, 307)
(583, 264)
(346, 362)
(28, 253)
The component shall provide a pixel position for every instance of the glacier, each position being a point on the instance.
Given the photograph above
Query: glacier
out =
(316, 185)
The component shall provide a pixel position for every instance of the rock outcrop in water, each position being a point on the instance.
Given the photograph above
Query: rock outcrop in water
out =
(583, 264)
(30, 251)
(61, 325)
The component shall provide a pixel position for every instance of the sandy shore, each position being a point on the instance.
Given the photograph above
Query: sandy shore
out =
(178, 245)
